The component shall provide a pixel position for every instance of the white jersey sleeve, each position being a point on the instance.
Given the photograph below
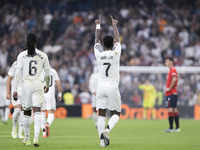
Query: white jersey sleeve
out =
(108, 63)
(12, 70)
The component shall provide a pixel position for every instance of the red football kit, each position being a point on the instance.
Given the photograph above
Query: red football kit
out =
(172, 73)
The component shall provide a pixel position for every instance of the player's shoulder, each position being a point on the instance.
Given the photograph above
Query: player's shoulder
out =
(14, 64)
(41, 53)
(53, 70)
(173, 69)
(24, 53)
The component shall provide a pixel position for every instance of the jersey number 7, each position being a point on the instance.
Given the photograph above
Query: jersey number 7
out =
(108, 67)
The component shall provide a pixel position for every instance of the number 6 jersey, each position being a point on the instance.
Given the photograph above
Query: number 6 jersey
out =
(32, 67)
(108, 65)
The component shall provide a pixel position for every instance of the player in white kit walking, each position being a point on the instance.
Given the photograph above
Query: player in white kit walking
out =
(33, 62)
(93, 84)
(18, 111)
(4, 103)
(108, 95)
(50, 102)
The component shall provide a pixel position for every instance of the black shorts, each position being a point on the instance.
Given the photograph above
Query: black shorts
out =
(171, 101)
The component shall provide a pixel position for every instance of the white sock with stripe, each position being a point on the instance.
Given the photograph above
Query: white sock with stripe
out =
(37, 123)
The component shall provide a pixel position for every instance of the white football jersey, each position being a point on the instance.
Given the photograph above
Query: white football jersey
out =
(53, 77)
(11, 72)
(93, 82)
(32, 67)
(108, 63)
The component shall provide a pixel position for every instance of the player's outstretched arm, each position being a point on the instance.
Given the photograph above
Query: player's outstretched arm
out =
(8, 85)
(97, 32)
(116, 32)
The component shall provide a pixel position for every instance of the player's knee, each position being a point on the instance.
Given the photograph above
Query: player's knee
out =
(102, 112)
(114, 112)
(27, 112)
(36, 109)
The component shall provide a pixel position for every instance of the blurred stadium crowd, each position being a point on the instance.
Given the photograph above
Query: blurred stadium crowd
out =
(150, 30)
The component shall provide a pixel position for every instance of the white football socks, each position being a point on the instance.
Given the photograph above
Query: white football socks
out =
(112, 122)
(21, 122)
(101, 124)
(43, 122)
(15, 117)
(50, 118)
(26, 123)
(95, 118)
(37, 123)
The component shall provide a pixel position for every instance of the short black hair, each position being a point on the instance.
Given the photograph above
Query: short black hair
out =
(171, 59)
(108, 41)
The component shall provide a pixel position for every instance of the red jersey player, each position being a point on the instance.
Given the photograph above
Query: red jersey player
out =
(171, 95)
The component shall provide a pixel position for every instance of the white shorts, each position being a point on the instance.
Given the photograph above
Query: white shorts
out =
(3, 101)
(49, 103)
(18, 102)
(32, 95)
(94, 99)
(108, 97)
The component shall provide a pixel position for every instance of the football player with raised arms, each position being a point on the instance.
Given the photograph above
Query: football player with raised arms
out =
(108, 96)
(50, 102)
(18, 111)
(33, 62)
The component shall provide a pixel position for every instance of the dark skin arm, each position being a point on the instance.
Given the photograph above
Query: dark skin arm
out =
(97, 32)
(116, 32)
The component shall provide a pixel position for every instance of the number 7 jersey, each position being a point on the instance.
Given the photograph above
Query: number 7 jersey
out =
(32, 67)
(108, 63)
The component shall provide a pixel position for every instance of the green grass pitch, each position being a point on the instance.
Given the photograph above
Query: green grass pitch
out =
(77, 133)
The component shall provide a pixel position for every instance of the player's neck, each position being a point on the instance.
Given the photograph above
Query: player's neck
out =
(170, 66)
(107, 49)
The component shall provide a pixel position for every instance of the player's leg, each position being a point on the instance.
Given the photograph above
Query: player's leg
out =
(21, 116)
(101, 106)
(43, 118)
(169, 103)
(37, 121)
(43, 122)
(114, 105)
(37, 101)
(15, 116)
(145, 109)
(101, 125)
(26, 125)
(176, 113)
(94, 116)
(7, 110)
(112, 121)
(50, 118)
(51, 107)
(27, 106)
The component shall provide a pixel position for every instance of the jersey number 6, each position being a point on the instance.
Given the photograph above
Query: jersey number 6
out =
(32, 69)
(107, 68)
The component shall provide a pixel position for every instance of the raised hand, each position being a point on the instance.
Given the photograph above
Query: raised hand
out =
(114, 21)
(98, 21)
